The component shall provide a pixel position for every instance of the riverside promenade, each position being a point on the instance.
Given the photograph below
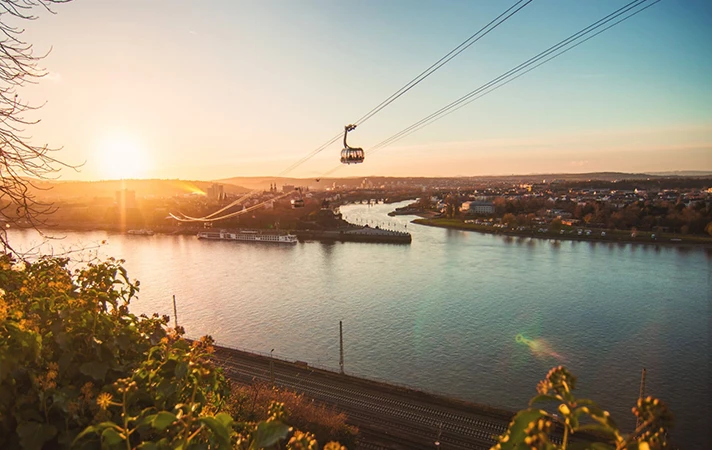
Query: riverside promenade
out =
(387, 416)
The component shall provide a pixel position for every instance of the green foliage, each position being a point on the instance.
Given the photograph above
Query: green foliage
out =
(532, 428)
(78, 370)
(64, 335)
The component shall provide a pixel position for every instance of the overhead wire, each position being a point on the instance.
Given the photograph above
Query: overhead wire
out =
(230, 215)
(459, 102)
(491, 89)
(496, 22)
(551, 53)
(445, 59)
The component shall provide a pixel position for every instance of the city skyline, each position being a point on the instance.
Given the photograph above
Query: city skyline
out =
(246, 89)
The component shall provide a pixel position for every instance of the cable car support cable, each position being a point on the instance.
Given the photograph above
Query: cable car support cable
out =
(519, 5)
(512, 10)
(229, 215)
(491, 89)
(509, 76)
(493, 84)
(444, 60)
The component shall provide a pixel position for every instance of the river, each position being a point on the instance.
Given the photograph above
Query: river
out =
(443, 314)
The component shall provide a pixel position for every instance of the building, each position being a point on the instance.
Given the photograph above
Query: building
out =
(287, 188)
(216, 192)
(477, 208)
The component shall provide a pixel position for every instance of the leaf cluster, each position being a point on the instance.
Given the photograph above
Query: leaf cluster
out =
(64, 336)
(536, 428)
(79, 370)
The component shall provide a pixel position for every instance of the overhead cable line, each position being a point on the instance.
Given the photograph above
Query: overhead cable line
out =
(184, 218)
(514, 78)
(518, 71)
(225, 208)
(310, 155)
(503, 17)
(497, 21)
(521, 67)
(519, 75)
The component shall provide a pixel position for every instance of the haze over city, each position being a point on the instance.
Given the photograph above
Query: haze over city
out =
(194, 91)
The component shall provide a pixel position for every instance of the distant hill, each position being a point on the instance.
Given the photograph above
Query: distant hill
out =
(683, 173)
(238, 185)
(264, 182)
(143, 188)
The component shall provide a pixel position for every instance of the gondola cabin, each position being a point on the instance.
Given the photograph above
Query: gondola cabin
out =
(298, 203)
(351, 155)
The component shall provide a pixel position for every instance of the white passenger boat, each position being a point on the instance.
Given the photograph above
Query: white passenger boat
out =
(249, 236)
(141, 232)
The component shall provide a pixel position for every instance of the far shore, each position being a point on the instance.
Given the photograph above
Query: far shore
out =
(693, 242)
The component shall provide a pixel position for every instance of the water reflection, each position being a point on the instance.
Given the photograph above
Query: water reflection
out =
(442, 313)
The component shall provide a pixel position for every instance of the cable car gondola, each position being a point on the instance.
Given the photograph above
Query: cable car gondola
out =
(351, 155)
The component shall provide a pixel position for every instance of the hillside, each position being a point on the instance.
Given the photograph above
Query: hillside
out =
(54, 190)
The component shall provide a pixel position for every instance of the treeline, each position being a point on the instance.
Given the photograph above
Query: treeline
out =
(654, 184)
(648, 215)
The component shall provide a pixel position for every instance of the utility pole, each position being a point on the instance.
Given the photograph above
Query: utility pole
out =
(175, 312)
(341, 348)
(642, 392)
(271, 366)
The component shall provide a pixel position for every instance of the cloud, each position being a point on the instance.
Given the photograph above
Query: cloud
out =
(578, 163)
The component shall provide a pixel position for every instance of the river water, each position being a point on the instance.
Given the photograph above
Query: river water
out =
(469, 315)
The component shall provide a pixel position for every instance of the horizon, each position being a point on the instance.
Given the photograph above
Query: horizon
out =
(662, 174)
(218, 93)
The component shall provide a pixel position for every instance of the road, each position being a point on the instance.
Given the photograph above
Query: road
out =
(388, 417)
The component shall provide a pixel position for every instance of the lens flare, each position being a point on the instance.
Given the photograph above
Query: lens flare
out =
(539, 347)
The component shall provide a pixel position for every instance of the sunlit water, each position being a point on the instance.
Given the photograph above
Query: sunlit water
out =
(443, 314)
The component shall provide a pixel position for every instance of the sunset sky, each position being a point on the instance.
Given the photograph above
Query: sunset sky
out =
(216, 89)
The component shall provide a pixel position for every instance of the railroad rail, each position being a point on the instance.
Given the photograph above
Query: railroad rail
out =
(388, 417)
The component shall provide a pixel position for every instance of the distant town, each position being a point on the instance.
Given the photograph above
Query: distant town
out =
(602, 206)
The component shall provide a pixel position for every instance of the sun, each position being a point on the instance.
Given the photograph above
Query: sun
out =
(122, 158)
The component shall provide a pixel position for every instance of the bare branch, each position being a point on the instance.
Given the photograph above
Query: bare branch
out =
(21, 162)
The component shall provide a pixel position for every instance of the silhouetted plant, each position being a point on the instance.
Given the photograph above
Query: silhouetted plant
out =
(532, 428)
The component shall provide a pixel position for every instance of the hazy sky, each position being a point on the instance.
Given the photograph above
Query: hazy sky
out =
(214, 89)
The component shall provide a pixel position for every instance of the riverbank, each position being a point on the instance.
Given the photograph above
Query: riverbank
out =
(571, 234)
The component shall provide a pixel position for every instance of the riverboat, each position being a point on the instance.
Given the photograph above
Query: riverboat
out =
(249, 236)
(141, 232)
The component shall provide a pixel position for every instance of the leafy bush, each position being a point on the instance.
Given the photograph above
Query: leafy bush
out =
(78, 370)
(532, 428)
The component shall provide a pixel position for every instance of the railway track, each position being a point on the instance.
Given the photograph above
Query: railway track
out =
(385, 420)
